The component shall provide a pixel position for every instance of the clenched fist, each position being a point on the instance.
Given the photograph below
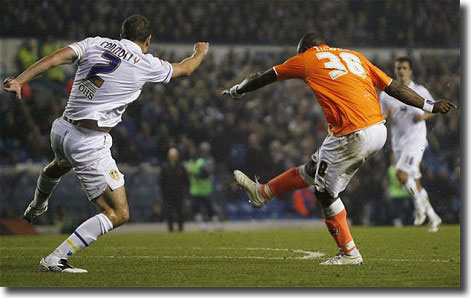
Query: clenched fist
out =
(202, 47)
(12, 85)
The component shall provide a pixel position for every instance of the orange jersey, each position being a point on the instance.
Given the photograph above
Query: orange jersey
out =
(343, 81)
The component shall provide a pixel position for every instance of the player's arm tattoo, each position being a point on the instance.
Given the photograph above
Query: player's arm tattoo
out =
(257, 81)
(404, 94)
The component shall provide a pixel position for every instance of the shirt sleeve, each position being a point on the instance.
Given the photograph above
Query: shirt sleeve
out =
(379, 78)
(80, 47)
(292, 68)
(161, 71)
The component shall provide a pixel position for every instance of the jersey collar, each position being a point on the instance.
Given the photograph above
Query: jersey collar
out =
(131, 44)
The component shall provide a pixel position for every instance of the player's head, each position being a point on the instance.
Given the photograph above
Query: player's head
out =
(173, 154)
(204, 148)
(308, 41)
(137, 28)
(403, 69)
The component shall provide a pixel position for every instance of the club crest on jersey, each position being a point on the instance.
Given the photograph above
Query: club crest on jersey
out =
(114, 174)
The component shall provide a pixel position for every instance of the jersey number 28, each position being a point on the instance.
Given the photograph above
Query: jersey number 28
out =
(352, 61)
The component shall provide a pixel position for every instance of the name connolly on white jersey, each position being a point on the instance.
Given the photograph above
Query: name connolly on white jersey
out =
(110, 75)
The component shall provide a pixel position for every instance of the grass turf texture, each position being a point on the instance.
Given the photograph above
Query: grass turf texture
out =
(393, 257)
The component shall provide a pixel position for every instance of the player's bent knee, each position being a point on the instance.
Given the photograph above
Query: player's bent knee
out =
(324, 198)
(310, 168)
(117, 217)
(402, 176)
(113, 203)
(53, 170)
(124, 215)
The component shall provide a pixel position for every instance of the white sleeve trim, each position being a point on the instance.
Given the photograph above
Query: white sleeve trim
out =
(274, 68)
(169, 75)
(76, 49)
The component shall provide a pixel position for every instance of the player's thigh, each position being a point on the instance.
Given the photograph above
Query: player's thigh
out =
(339, 158)
(410, 159)
(93, 163)
(59, 132)
(56, 169)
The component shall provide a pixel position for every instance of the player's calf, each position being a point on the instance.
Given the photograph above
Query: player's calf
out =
(47, 182)
(113, 204)
(335, 218)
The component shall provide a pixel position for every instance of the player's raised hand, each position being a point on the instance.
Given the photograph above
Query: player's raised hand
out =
(12, 85)
(202, 47)
(443, 106)
(233, 92)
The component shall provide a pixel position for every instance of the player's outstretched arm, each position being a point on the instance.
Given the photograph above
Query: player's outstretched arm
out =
(252, 83)
(63, 56)
(188, 65)
(410, 97)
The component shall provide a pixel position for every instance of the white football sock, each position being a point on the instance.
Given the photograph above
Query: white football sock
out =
(428, 207)
(411, 186)
(44, 188)
(82, 237)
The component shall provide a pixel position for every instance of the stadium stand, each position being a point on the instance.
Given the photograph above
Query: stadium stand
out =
(280, 126)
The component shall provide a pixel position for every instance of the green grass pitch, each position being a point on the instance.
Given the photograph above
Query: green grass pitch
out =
(393, 257)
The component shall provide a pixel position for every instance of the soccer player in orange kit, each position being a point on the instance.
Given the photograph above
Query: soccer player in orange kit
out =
(344, 83)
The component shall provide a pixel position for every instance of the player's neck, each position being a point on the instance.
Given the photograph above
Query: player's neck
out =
(406, 82)
(142, 46)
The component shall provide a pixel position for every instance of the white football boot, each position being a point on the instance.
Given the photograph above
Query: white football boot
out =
(32, 212)
(251, 188)
(419, 216)
(434, 225)
(344, 259)
(61, 266)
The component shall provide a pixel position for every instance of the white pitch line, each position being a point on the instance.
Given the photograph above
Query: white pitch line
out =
(410, 260)
(307, 254)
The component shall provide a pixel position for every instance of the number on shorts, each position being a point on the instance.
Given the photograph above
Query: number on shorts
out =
(411, 160)
(352, 61)
(322, 168)
(109, 67)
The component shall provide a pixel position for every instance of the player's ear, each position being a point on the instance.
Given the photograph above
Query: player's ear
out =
(148, 40)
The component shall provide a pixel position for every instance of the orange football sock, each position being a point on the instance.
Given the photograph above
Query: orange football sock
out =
(283, 183)
(336, 222)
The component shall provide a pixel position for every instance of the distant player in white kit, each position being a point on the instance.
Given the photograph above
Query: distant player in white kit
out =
(110, 75)
(409, 140)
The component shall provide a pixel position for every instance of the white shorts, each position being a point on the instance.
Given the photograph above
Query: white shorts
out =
(409, 158)
(88, 152)
(339, 158)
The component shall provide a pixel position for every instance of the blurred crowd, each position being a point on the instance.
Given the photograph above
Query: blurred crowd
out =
(378, 23)
(263, 134)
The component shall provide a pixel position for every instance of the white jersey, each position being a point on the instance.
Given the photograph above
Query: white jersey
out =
(405, 131)
(110, 75)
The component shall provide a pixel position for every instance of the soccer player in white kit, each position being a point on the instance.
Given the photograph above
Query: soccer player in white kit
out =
(409, 140)
(110, 75)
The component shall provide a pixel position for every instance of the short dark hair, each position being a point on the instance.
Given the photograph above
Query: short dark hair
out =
(309, 40)
(404, 59)
(136, 28)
